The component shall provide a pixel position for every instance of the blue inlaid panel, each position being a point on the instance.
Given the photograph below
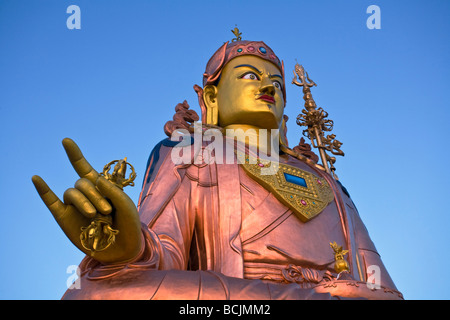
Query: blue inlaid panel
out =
(295, 180)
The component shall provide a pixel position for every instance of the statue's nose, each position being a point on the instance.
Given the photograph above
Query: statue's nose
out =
(267, 86)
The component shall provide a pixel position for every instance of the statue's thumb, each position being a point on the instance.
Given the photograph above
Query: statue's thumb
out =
(113, 193)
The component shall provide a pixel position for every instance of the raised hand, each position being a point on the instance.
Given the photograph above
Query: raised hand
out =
(92, 195)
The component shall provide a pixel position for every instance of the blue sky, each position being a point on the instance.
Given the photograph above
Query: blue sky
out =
(112, 85)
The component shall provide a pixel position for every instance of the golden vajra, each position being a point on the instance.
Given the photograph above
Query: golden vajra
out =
(99, 235)
(340, 263)
(316, 122)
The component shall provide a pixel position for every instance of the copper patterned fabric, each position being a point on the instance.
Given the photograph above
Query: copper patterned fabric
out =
(212, 232)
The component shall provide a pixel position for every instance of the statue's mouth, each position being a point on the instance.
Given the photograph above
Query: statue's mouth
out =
(267, 98)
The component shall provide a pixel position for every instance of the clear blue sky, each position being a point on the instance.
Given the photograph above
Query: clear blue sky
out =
(113, 84)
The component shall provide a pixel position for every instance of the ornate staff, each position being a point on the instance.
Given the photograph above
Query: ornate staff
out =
(99, 235)
(316, 122)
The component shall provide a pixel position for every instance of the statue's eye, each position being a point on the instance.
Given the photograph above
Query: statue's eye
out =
(277, 84)
(250, 76)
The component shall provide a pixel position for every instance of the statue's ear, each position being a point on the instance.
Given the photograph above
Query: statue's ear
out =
(283, 131)
(210, 99)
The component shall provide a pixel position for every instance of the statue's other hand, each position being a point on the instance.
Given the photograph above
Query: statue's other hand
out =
(89, 197)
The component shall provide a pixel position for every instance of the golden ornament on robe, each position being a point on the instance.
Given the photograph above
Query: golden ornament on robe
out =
(304, 193)
(341, 264)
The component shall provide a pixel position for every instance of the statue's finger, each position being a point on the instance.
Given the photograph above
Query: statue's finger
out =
(79, 163)
(126, 218)
(50, 199)
(94, 196)
(119, 199)
(66, 216)
(76, 198)
(110, 191)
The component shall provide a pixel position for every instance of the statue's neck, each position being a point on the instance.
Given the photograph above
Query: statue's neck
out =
(265, 140)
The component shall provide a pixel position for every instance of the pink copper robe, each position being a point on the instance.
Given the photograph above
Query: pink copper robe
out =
(211, 232)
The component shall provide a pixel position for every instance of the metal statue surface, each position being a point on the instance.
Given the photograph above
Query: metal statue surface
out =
(227, 209)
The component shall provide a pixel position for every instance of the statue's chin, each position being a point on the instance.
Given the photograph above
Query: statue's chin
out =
(264, 119)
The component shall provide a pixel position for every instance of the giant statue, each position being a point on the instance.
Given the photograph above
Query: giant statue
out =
(227, 209)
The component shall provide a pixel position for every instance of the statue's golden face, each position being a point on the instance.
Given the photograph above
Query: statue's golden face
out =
(250, 92)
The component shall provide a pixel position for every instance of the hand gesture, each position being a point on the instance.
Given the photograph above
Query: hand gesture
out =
(93, 195)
